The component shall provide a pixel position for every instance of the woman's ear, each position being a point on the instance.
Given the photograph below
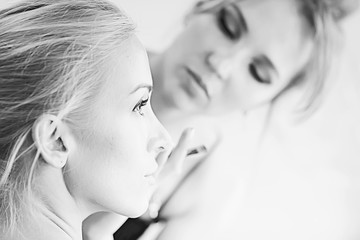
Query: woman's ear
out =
(50, 136)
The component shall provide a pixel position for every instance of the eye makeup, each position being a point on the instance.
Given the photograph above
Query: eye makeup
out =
(139, 106)
(262, 70)
(231, 21)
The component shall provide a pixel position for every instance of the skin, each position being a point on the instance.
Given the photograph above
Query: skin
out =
(236, 72)
(102, 225)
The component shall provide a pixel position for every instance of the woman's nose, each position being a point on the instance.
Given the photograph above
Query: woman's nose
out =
(160, 139)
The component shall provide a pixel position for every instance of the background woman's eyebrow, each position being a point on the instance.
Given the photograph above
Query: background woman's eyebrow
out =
(140, 86)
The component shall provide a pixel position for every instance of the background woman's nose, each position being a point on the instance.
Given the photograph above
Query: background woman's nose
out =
(220, 65)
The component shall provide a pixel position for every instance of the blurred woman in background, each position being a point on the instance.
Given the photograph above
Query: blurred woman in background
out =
(230, 56)
(241, 55)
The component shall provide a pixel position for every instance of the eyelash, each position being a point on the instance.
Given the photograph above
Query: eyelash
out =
(139, 106)
(224, 26)
(255, 73)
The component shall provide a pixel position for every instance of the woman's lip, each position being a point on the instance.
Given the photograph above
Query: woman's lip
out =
(198, 81)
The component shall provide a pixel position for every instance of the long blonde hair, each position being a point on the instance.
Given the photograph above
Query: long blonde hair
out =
(50, 51)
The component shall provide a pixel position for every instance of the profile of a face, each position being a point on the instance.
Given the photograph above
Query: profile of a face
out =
(237, 55)
(114, 155)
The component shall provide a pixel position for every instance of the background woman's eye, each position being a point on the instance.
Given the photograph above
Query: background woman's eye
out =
(139, 106)
(259, 74)
(228, 22)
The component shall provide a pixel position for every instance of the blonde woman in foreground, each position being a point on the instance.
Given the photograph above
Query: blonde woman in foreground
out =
(77, 133)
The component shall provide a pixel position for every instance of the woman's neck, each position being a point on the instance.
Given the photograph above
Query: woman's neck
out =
(58, 210)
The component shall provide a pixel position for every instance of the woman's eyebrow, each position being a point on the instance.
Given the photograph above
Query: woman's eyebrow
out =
(241, 18)
(142, 85)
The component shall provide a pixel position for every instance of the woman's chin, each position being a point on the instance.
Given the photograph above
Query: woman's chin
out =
(134, 213)
(134, 209)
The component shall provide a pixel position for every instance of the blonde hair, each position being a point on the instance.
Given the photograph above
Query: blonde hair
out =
(50, 52)
(322, 17)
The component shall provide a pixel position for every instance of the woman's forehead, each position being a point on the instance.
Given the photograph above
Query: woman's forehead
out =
(126, 67)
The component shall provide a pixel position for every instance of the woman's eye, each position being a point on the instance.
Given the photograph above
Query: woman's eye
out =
(259, 74)
(140, 105)
(229, 23)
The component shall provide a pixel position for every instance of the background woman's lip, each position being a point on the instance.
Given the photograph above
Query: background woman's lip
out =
(198, 81)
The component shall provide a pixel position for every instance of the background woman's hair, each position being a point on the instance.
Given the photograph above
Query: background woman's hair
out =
(50, 53)
(322, 16)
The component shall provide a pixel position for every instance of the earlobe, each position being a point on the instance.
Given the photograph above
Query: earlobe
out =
(48, 135)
